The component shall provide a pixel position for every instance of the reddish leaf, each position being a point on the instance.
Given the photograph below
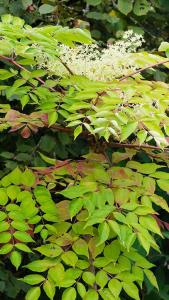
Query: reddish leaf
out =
(16, 127)
(12, 115)
(25, 133)
(33, 128)
(63, 210)
(166, 225)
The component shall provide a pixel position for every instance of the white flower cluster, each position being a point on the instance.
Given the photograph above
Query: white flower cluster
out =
(95, 63)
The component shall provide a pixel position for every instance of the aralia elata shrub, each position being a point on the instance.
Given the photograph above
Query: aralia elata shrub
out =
(83, 228)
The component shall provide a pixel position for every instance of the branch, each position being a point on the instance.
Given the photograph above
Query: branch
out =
(62, 129)
(10, 60)
(115, 145)
(125, 145)
(65, 65)
(143, 69)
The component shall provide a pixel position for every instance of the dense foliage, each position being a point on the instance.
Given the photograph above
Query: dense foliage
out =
(84, 167)
(106, 18)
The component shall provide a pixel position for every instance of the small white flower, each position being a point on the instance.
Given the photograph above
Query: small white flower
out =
(91, 61)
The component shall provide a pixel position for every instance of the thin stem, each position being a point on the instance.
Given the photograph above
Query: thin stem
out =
(143, 69)
(125, 145)
(62, 129)
(10, 60)
(115, 145)
(107, 158)
(92, 269)
(65, 65)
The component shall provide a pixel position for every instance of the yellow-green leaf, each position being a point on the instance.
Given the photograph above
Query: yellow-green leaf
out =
(33, 293)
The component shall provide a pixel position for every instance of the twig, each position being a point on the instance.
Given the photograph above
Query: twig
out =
(65, 65)
(143, 69)
(115, 145)
(62, 129)
(92, 269)
(125, 145)
(10, 60)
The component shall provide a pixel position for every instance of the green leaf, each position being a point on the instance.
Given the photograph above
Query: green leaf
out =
(81, 289)
(99, 215)
(69, 294)
(115, 286)
(106, 294)
(81, 247)
(26, 74)
(141, 7)
(112, 251)
(26, 3)
(23, 237)
(89, 278)
(101, 278)
(77, 131)
(15, 176)
(38, 73)
(151, 278)
(50, 250)
(50, 161)
(163, 184)
(52, 118)
(49, 289)
(139, 259)
(115, 227)
(20, 225)
(131, 290)
(7, 18)
(150, 223)
(46, 9)
(75, 191)
(164, 46)
(5, 249)
(73, 273)
(33, 293)
(142, 135)
(3, 196)
(94, 2)
(127, 130)
(146, 168)
(125, 6)
(75, 206)
(16, 259)
(160, 175)
(160, 202)
(24, 100)
(4, 226)
(33, 279)
(100, 262)
(69, 258)
(19, 82)
(144, 241)
(103, 231)
(40, 265)
(5, 237)
(57, 273)
(28, 178)
(23, 247)
(3, 215)
(12, 191)
(91, 294)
